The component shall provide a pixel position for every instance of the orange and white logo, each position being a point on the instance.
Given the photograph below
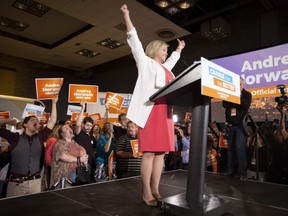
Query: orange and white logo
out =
(114, 100)
(87, 93)
(46, 88)
(135, 149)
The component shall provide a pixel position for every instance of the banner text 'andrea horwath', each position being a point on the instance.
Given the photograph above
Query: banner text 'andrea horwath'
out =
(269, 65)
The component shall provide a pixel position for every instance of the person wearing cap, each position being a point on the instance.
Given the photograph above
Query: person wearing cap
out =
(26, 152)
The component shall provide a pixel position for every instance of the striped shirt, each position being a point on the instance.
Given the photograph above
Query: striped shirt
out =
(127, 164)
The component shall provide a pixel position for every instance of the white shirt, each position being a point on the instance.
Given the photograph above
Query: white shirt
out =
(151, 77)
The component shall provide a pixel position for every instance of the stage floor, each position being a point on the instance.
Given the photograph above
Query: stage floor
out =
(122, 197)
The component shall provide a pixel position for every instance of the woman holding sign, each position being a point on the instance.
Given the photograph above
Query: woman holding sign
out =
(156, 127)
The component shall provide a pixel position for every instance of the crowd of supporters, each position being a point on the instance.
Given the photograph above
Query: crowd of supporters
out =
(44, 157)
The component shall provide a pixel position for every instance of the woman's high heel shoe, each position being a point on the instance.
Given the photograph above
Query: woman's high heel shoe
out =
(151, 202)
(157, 197)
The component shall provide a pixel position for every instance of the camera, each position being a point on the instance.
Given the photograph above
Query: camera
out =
(283, 98)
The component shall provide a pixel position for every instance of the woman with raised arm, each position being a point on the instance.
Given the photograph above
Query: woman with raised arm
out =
(156, 127)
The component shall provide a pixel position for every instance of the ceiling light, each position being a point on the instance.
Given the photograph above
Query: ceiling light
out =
(31, 7)
(184, 5)
(19, 26)
(87, 53)
(216, 29)
(110, 43)
(172, 10)
(20, 6)
(5, 21)
(162, 3)
(174, 6)
(13, 24)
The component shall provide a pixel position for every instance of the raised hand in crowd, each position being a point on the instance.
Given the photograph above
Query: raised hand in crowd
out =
(80, 117)
(11, 122)
(105, 118)
(53, 117)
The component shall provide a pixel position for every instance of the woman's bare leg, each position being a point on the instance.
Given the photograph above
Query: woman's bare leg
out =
(146, 174)
(158, 164)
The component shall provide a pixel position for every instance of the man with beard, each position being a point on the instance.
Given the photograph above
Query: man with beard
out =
(82, 134)
(128, 163)
(26, 153)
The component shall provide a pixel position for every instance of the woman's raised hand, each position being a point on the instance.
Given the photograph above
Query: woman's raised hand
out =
(181, 44)
(124, 9)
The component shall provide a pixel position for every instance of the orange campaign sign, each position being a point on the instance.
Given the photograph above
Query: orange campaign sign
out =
(115, 111)
(96, 117)
(222, 141)
(86, 93)
(114, 100)
(44, 118)
(5, 115)
(46, 88)
(75, 116)
(134, 145)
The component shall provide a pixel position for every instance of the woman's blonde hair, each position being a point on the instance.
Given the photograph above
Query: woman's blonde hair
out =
(154, 47)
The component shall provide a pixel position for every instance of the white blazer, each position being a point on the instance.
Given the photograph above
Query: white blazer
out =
(151, 77)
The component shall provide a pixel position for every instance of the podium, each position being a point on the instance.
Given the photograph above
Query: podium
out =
(185, 91)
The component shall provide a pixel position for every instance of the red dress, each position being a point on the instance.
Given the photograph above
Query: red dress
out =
(158, 133)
